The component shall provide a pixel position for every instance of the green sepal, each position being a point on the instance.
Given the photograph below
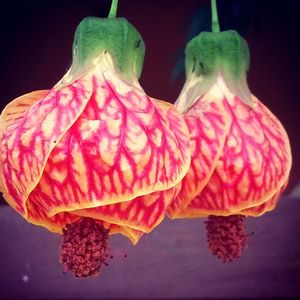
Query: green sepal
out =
(95, 36)
(225, 53)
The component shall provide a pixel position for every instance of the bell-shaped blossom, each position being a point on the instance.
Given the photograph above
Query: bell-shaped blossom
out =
(95, 145)
(241, 156)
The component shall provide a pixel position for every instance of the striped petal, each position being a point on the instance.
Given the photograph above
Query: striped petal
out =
(142, 213)
(37, 216)
(269, 205)
(133, 234)
(254, 164)
(208, 125)
(57, 223)
(28, 140)
(122, 146)
(12, 113)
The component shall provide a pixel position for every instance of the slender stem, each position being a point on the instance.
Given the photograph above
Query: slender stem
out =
(113, 9)
(215, 27)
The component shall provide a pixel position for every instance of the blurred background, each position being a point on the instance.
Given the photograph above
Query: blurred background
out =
(36, 52)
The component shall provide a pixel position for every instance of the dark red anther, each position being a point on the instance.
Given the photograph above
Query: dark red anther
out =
(84, 247)
(226, 236)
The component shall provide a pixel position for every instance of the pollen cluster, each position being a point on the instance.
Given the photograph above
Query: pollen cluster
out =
(84, 247)
(226, 236)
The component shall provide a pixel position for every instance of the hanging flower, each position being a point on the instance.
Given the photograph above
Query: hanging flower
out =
(241, 156)
(94, 155)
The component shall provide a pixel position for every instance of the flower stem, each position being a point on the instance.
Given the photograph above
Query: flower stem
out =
(113, 9)
(215, 27)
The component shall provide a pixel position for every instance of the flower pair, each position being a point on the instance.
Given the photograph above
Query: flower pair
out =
(95, 155)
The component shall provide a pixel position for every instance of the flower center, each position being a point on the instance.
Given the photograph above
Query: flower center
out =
(226, 236)
(84, 247)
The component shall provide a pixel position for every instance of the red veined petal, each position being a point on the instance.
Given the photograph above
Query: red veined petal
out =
(12, 113)
(142, 213)
(37, 216)
(28, 141)
(57, 223)
(123, 145)
(254, 165)
(133, 234)
(267, 206)
(208, 125)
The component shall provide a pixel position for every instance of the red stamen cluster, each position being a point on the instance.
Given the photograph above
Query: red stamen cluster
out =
(226, 236)
(84, 246)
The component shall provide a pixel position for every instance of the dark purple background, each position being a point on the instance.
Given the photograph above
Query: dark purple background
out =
(36, 39)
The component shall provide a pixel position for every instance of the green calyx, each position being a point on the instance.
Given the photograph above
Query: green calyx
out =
(95, 36)
(225, 53)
